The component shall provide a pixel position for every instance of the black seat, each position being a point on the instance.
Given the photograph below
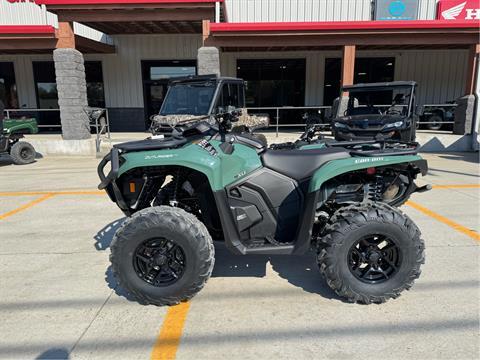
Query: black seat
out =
(301, 164)
(151, 144)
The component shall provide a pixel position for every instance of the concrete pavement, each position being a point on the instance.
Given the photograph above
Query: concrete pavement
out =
(58, 299)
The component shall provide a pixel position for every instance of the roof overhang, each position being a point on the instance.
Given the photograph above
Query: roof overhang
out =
(136, 16)
(31, 39)
(364, 34)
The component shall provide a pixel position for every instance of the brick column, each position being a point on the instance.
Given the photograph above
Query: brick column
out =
(71, 86)
(348, 73)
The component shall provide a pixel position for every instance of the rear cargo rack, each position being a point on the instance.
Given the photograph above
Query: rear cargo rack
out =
(386, 147)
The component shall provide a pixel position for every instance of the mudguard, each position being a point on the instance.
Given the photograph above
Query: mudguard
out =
(342, 166)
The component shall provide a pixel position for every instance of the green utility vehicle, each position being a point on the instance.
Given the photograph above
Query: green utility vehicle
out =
(199, 181)
(13, 130)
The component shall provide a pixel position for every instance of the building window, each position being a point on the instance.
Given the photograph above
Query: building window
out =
(8, 86)
(367, 70)
(273, 82)
(46, 85)
(95, 87)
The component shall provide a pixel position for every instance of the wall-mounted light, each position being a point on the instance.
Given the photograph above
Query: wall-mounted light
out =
(361, 73)
(390, 64)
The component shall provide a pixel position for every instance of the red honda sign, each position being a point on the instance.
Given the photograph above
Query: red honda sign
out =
(459, 10)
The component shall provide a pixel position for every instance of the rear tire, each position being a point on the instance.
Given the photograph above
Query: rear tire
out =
(350, 241)
(22, 153)
(137, 252)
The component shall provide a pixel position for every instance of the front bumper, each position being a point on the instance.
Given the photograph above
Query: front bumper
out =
(108, 183)
(349, 134)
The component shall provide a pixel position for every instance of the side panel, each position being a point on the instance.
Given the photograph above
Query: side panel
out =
(221, 169)
(337, 167)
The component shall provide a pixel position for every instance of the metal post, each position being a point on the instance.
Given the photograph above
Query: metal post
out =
(277, 117)
(108, 123)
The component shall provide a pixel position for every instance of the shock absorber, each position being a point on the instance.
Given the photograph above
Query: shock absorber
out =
(374, 191)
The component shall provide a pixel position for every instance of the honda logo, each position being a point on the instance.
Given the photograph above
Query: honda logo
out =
(459, 10)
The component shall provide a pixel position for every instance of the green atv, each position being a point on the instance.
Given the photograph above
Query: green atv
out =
(13, 130)
(199, 181)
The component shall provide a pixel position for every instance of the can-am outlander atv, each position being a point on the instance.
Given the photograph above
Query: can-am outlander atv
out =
(199, 181)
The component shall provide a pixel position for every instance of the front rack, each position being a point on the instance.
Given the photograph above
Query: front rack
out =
(386, 147)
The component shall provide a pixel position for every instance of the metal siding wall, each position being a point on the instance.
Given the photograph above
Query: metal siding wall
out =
(122, 71)
(427, 9)
(27, 13)
(23, 14)
(297, 10)
(311, 10)
(441, 74)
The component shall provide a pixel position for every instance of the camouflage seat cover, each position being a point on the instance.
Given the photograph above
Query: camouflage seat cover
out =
(252, 122)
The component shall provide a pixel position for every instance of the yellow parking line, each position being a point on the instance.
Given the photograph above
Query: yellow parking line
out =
(61, 192)
(460, 228)
(461, 186)
(166, 346)
(26, 206)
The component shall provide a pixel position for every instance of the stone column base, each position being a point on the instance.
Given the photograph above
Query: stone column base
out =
(464, 115)
(208, 60)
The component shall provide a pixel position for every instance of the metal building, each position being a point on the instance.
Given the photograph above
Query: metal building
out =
(291, 52)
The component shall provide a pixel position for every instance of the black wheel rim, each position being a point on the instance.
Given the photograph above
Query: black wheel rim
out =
(374, 259)
(26, 153)
(159, 262)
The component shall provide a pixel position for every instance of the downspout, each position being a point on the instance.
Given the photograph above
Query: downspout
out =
(476, 112)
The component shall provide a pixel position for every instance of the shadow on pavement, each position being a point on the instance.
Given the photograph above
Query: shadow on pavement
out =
(300, 271)
(54, 353)
(463, 156)
(5, 160)
(450, 172)
(104, 237)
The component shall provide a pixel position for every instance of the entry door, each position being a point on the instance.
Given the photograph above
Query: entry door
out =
(154, 95)
(156, 75)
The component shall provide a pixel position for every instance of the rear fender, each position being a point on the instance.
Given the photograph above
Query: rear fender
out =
(343, 166)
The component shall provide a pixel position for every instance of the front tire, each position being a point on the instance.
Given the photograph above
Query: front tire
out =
(435, 122)
(22, 153)
(162, 255)
(370, 253)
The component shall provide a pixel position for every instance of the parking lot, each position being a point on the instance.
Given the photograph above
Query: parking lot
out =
(59, 300)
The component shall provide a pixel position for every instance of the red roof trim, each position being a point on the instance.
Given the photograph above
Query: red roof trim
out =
(100, 2)
(342, 25)
(27, 29)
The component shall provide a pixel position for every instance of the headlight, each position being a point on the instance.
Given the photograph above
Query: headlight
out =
(395, 124)
(340, 125)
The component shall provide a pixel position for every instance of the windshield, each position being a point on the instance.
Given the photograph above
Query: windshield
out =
(379, 102)
(191, 99)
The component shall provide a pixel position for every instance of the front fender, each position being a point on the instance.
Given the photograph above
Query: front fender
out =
(342, 166)
(220, 169)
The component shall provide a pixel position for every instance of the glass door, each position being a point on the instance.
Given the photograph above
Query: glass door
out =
(156, 74)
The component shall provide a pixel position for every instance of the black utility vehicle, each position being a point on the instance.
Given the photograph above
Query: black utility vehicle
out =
(378, 111)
